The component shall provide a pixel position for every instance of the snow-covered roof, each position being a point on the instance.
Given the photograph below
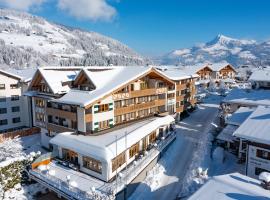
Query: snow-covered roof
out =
(260, 75)
(227, 133)
(248, 97)
(218, 66)
(7, 73)
(105, 81)
(239, 116)
(231, 186)
(56, 76)
(256, 127)
(26, 75)
(193, 69)
(177, 73)
(103, 147)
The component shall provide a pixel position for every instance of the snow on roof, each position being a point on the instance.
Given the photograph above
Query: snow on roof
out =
(227, 133)
(193, 69)
(239, 116)
(231, 186)
(218, 66)
(103, 147)
(56, 77)
(260, 75)
(177, 73)
(256, 127)
(11, 74)
(248, 97)
(106, 81)
(25, 74)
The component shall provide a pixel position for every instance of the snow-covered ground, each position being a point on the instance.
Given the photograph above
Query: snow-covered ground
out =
(18, 148)
(175, 173)
(11, 151)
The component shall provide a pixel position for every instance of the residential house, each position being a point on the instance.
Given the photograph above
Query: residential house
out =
(260, 78)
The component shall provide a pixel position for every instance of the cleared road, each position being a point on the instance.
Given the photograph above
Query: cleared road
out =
(189, 132)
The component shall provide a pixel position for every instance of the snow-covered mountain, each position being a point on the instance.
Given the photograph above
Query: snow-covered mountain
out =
(222, 48)
(30, 41)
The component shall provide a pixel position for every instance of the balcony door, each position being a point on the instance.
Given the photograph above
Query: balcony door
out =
(70, 156)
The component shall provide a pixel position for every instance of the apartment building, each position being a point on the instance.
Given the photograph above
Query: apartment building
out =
(96, 108)
(13, 106)
(255, 131)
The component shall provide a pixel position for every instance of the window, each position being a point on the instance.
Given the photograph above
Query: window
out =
(104, 125)
(15, 109)
(134, 150)
(118, 161)
(171, 95)
(153, 110)
(117, 104)
(14, 86)
(143, 85)
(118, 119)
(3, 99)
(259, 170)
(3, 122)
(177, 93)
(103, 108)
(2, 86)
(40, 117)
(152, 137)
(177, 104)
(3, 110)
(16, 120)
(263, 154)
(41, 103)
(92, 164)
(15, 97)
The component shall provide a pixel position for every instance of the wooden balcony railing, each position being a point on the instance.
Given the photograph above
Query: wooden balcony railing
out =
(180, 109)
(137, 107)
(88, 118)
(139, 93)
(62, 113)
(180, 98)
(181, 87)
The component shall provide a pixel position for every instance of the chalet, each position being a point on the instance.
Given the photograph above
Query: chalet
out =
(101, 119)
(255, 130)
(260, 78)
(222, 71)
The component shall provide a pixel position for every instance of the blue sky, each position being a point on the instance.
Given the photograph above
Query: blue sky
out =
(155, 27)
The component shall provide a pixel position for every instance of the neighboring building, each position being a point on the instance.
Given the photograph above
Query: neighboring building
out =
(231, 186)
(260, 78)
(84, 112)
(14, 108)
(227, 140)
(255, 130)
(246, 98)
(222, 71)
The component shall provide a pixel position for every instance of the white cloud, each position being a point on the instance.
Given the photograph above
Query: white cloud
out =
(88, 9)
(24, 5)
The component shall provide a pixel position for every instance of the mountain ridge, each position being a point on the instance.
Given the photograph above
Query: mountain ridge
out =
(30, 41)
(222, 48)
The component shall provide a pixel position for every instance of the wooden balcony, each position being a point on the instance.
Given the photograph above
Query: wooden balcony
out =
(181, 87)
(180, 109)
(137, 107)
(139, 93)
(57, 128)
(88, 118)
(62, 113)
(180, 98)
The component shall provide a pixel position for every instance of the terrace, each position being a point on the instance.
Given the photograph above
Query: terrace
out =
(73, 184)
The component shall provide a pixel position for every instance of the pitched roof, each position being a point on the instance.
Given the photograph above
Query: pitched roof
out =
(239, 116)
(106, 82)
(25, 75)
(193, 69)
(12, 75)
(231, 186)
(104, 146)
(176, 73)
(260, 75)
(219, 66)
(256, 127)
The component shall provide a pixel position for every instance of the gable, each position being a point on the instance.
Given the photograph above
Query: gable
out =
(38, 83)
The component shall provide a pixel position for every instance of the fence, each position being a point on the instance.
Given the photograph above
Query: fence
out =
(19, 133)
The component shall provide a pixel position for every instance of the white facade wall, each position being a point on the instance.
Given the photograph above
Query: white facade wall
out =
(81, 119)
(8, 104)
(254, 161)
